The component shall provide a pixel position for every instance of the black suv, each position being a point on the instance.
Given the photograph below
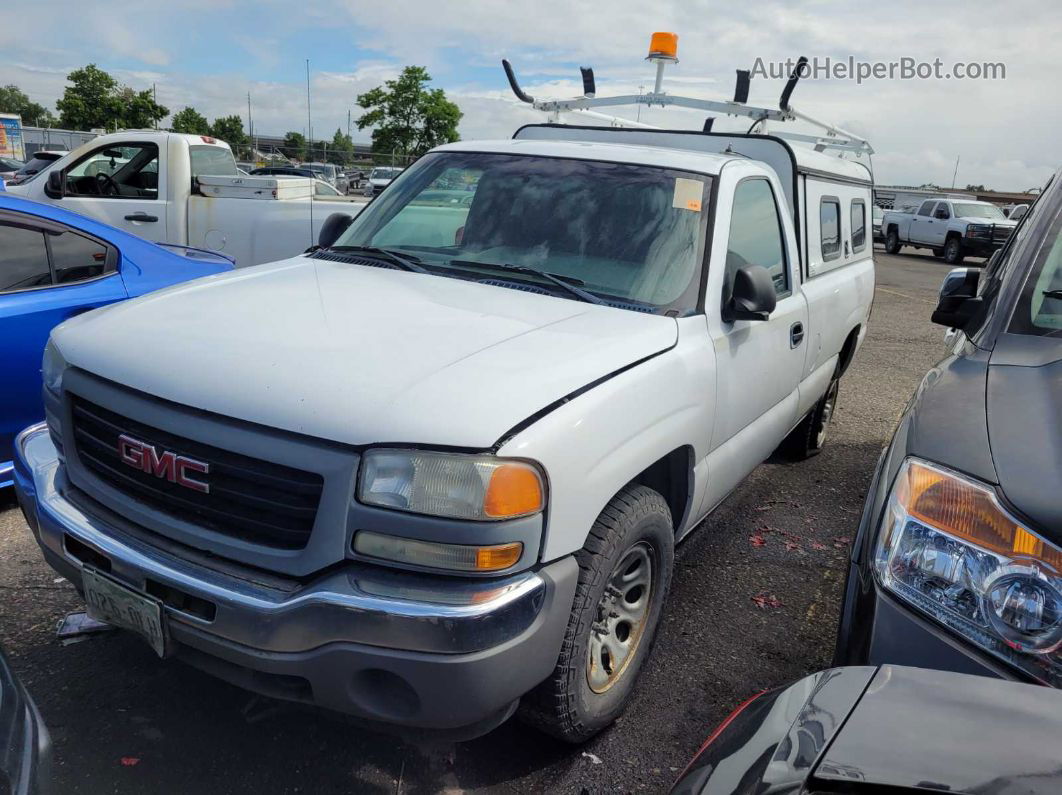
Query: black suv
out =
(957, 564)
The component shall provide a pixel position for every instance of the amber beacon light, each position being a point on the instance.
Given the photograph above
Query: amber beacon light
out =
(663, 46)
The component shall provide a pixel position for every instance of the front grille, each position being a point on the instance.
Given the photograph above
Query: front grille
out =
(249, 499)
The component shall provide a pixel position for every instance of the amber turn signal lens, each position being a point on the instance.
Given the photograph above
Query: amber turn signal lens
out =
(498, 557)
(515, 489)
(969, 512)
(663, 45)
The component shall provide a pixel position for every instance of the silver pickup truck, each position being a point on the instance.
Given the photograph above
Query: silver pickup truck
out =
(952, 228)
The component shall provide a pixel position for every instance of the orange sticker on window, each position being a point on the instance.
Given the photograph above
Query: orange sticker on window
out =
(694, 204)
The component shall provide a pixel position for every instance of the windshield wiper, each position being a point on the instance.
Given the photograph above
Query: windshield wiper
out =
(1053, 294)
(566, 283)
(403, 261)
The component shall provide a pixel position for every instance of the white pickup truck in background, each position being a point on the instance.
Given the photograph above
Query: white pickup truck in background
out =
(952, 228)
(146, 183)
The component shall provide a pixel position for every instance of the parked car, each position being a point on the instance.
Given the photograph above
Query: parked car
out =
(152, 192)
(458, 442)
(55, 264)
(380, 178)
(1016, 212)
(9, 167)
(355, 180)
(952, 228)
(25, 745)
(330, 173)
(877, 214)
(886, 729)
(958, 556)
(37, 163)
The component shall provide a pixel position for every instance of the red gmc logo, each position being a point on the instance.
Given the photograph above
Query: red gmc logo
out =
(175, 468)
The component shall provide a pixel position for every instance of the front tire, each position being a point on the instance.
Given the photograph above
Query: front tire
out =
(953, 253)
(624, 574)
(892, 242)
(809, 437)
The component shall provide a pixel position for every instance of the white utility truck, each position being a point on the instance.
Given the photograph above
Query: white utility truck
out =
(953, 228)
(148, 183)
(436, 469)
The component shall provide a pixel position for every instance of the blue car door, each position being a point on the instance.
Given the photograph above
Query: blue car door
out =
(48, 272)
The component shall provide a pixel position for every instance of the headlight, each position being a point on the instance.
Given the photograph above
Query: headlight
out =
(978, 230)
(950, 549)
(53, 365)
(477, 487)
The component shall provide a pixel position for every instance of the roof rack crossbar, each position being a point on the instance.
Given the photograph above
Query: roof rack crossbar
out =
(835, 137)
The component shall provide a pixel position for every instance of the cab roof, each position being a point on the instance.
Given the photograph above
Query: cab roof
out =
(639, 154)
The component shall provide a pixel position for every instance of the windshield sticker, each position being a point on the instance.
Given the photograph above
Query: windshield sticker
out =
(688, 194)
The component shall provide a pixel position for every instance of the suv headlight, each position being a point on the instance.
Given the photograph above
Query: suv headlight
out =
(53, 365)
(949, 548)
(454, 485)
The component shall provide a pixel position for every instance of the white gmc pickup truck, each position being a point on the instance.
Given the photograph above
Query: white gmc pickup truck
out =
(145, 182)
(437, 468)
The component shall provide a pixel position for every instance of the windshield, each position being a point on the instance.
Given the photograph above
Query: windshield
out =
(965, 210)
(629, 232)
(1039, 309)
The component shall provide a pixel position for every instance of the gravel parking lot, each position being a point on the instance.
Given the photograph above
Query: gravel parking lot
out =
(753, 604)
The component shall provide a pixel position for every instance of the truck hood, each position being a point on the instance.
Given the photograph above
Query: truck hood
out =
(976, 219)
(357, 354)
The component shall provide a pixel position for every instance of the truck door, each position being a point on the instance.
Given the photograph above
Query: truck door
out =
(759, 363)
(122, 185)
(921, 230)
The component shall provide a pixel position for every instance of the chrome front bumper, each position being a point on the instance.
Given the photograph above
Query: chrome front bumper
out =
(328, 631)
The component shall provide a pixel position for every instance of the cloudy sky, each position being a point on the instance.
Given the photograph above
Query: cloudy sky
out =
(210, 53)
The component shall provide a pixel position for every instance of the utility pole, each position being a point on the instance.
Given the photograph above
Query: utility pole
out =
(348, 122)
(155, 99)
(955, 172)
(309, 125)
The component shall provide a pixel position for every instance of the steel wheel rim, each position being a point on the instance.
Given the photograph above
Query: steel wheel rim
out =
(619, 622)
(828, 404)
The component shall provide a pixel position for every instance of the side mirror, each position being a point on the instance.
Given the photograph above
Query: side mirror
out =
(958, 301)
(334, 226)
(55, 187)
(753, 297)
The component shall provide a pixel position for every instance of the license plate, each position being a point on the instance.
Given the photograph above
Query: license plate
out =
(108, 600)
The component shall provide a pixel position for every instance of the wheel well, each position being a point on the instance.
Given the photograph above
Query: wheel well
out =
(952, 234)
(892, 228)
(847, 352)
(672, 477)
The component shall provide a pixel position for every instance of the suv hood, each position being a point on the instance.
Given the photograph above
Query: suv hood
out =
(1025, 427)
(360, 355)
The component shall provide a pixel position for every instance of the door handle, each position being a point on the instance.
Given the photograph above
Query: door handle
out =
(149, 219)
(796, 334)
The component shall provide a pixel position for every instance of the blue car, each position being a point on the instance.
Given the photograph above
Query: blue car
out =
(55, 264)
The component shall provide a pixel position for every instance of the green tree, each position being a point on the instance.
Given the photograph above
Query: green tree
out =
(87, 103)
(190, 121)
(95, 99)
(341, 150)
(294, 145)
(230, 130)
(14, 100)
(406, 116)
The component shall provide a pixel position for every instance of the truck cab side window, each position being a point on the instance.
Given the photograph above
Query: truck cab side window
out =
(23, 259)
(830, 228)
(756, 235)
(859, 225)
(942, 212)
(926, 209)
(116, 172)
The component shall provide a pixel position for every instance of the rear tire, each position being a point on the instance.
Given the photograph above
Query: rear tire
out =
(624, 574)
(809, 437)
(892, 242)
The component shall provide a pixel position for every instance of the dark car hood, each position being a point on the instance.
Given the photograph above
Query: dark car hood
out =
(1024, 402)
(949, 732)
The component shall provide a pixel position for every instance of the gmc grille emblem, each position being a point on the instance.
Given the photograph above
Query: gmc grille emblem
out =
(174, 468)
